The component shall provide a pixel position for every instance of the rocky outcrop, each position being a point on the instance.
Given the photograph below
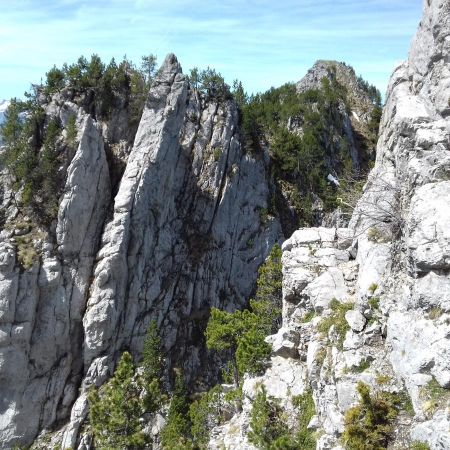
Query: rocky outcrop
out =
(412, 164)
(177, 223)
(42, 307)
(183, 234)
(381, 284)
(355, 110)
(185, 228)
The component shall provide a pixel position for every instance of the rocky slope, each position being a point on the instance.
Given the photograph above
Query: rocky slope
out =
(175, 242)
(370, 302)
(167, 221)
(356, 107)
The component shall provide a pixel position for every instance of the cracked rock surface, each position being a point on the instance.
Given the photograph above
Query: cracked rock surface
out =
(391, 267)
(174, 241)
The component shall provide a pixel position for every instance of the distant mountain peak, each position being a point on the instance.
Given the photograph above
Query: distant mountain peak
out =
(3, 107)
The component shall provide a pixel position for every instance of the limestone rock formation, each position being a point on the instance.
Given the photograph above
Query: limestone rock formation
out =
(174, 241)
(165, 223)
(381, 284)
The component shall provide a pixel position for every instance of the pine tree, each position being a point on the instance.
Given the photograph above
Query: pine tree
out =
(115, 410)
(176, 433)
(239, 94)
(46, 174)
(266, 422)
(148, 67)
(242, 333)
(152, 365)
(194, 77)
(55, 80)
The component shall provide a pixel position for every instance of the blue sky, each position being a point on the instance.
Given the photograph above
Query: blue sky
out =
(263, 43)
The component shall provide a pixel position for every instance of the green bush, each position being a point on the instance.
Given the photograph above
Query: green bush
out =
(376, 235)
(416, 445)
(240, 333)
(308, 316)
(252, 352)
(217, 154)
(26, 252)
(304, 438)
(266, 421)
(336, 318)
(374, 303)
(361, 367)
(269, 289)
(369, 425)
(263, 215)
(152, 369)
(71, 132)
(434, 395)
(268, 425)
(204, 414)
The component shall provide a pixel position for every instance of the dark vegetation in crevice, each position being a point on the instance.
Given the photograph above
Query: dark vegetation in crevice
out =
(32, 155)
(269, 429)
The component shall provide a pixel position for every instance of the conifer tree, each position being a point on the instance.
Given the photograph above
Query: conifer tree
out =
(115, 410)
(242, 333)
(152, 365)
(177, 431)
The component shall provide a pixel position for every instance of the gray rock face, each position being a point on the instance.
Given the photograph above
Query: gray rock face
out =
(183, 234)
(395, 272)
(42, 307)
(412, 156)
(178, 240)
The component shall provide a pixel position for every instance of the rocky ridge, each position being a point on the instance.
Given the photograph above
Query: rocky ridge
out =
(178, 228)
(387, 274)
(175, 243)
(356, 107)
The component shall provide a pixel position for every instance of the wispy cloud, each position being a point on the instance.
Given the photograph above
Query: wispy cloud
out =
(261, 42)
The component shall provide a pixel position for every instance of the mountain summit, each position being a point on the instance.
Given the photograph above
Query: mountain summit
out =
(142, 216)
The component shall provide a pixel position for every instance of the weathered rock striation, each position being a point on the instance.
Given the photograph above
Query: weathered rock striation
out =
(42, 307)
(183, 233)
(175, 223)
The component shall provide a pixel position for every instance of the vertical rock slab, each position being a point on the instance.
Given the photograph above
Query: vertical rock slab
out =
(41, 336)
(185, 234)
